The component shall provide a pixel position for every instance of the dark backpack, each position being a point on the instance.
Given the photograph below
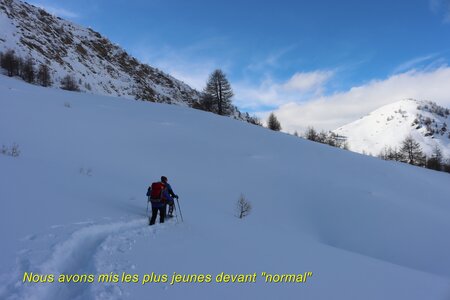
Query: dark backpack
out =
(157, 191)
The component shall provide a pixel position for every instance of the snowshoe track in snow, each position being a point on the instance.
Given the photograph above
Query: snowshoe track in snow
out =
(86, 250)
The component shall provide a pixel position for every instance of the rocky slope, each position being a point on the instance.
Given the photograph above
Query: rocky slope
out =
(98, 65)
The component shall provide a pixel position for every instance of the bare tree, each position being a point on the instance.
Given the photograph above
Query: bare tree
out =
(253, 119)
(43, 76)
(389, 153)
(27, 70)
(412, 152)
(243, 207)
(69, 83)
(435, 162)
(11, 63)
(311, 134)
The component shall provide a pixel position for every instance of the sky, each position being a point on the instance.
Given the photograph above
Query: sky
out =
(320, 63)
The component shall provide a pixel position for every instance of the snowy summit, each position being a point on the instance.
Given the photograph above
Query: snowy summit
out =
(389, 125)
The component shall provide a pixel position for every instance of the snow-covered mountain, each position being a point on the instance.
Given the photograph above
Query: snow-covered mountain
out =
(100, 66)
(388, 126)
(73, 202)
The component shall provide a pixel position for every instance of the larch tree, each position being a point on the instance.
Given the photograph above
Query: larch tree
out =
(218, 93)
(273, 123)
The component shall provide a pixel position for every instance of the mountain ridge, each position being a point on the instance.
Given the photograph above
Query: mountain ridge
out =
(98, 65)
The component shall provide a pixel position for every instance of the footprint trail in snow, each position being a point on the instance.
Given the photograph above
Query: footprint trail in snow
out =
(89, 249)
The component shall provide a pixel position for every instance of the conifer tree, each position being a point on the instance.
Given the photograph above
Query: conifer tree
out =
(218, 93)
(273, 123)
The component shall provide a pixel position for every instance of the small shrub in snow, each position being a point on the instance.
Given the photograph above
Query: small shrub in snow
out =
(87, 172)
(69, 83)
(10, 151)
(243, 207)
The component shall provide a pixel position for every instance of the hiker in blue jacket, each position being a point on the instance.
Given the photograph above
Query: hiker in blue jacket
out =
(166, 198)
(170, 193)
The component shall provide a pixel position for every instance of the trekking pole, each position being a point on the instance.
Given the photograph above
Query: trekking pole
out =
(148, 200)
(181, 215)
(175, 210)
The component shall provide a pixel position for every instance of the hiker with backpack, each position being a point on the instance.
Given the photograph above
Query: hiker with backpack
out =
(171, 194)
(160, 194)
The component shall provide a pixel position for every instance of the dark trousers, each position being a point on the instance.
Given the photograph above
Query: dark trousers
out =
(162, 214)
(171, 209)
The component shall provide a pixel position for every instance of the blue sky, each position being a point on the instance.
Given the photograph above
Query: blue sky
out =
(281, 55)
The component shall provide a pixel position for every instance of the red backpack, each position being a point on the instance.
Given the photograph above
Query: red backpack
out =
(157, 192)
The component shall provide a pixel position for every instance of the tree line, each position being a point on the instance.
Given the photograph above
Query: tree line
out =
(410, 152)
(329, 138)
(26, 69)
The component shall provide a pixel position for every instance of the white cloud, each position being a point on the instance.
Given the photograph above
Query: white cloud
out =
(57, 11)
(268, 93)
(330, 112)
(412, 63)
(308, 81)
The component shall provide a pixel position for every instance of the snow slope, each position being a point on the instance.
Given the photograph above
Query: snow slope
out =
(73, 202)
(389, 125)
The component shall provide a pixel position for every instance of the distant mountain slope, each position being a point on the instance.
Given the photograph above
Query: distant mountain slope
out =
(100, 66)
(388, 126)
